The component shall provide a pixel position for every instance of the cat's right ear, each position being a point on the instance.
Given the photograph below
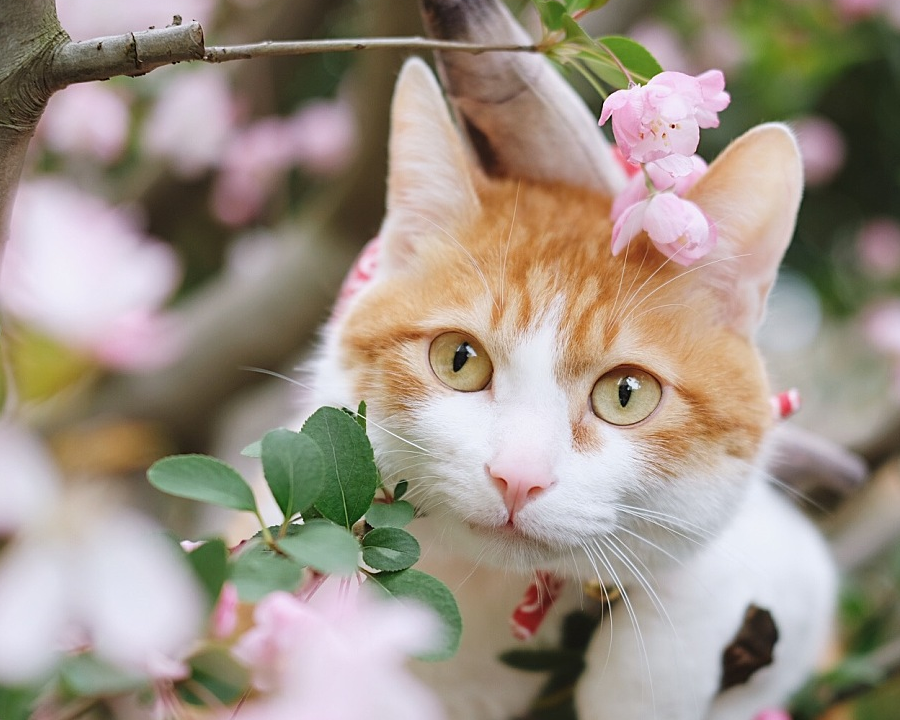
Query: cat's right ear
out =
(430, 191)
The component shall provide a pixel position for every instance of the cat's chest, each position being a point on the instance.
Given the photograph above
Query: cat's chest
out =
(476, 683)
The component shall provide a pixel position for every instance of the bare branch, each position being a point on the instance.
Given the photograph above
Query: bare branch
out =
(308, 47)
(131, 54)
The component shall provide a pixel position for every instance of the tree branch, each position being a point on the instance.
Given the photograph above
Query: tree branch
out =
(308, 47)
(131, 54)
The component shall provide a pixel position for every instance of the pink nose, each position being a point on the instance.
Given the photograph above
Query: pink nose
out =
(518, 483)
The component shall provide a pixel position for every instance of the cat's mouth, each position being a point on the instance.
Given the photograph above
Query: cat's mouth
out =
(513, 536)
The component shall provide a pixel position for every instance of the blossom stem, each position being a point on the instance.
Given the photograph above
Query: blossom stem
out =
(617, 62)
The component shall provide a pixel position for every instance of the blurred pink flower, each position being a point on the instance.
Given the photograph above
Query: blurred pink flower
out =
(81, 272)
(192, 120)
(677, 227)
(881, 324)
(319, 138)
(84, 19)
(225, 613)
(86, 119)
(878, 247)
(661, 121)
(82, 571)
(858, 9)
(773, 715)
(662, 41)
(822, 148)
(306, 655)
(30, 481)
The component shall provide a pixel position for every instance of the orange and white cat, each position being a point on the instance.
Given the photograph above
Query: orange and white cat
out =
(556, 408)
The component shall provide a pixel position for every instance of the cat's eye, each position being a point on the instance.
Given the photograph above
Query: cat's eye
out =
(625, 396)
(460, 362)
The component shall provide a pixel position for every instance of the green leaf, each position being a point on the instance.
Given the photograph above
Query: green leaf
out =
(390, 548)
(350, 474)
(253, 450)
(323, 546)
(203, 478)
(552, 13)
(396, 514)
(17, 703)
(218, 674)
(431, 592)
(544, 660)
(585, 5)
(361, 415)
(639, 62)
(258, 570)
(294, 470)
(210, 565)
(574, 32)
(400, 489)
(86, 676)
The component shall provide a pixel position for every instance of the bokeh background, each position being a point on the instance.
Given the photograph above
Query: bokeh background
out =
(179, 235)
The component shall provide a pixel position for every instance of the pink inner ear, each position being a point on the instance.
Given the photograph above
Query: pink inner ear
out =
(360, 275)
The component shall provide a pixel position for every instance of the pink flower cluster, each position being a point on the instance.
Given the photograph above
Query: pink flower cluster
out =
(657, 126)
(314, 658)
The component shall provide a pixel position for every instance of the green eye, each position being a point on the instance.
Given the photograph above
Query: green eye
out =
(460, 362)
(625, 396)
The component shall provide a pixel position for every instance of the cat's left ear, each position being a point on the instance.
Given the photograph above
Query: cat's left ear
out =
(752, 193)
(430, 193)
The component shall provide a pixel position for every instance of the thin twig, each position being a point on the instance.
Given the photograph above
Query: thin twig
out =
(217, 54)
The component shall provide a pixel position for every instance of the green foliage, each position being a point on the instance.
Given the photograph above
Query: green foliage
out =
(214, 673)
(16, 703)
(257, 570)
(202, 478)
(86, 676)
(210, 565)
(396, 514)
(390, 548)
(350, 474)
(432, 593)
(323, 546)
(294, 470)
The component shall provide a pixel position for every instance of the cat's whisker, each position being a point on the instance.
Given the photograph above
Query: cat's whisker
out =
(662, 307)
(468, 254)
(274, 374)
(679, 277)
(629, 606)
(512, 225)
(622, 280)
(646, 541)
(628, 302)
(591, 560)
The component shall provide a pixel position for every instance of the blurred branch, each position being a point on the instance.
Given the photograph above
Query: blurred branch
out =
(308, 47)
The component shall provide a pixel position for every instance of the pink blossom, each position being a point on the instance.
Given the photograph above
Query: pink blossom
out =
(81, 272)
(225, 613)
(878, 247)
(305, 655)
(773, 715)
(82, 571)
(192, 120)
(661, 121)
(89, 119)
(321, 136)
(677, 227)
(882, 326)
(30, 480)
(637, 190)
(822, 147)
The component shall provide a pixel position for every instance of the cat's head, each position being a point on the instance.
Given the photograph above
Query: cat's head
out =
(538, 393)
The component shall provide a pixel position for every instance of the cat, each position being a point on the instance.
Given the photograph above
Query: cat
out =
(597, 418)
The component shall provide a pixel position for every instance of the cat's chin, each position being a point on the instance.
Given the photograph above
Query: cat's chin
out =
(509, 544)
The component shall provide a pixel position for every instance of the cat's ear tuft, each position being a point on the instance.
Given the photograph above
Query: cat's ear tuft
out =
(430, 190)
(752, 193)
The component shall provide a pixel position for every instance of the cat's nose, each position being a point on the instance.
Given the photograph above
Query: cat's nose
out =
(519, 483)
